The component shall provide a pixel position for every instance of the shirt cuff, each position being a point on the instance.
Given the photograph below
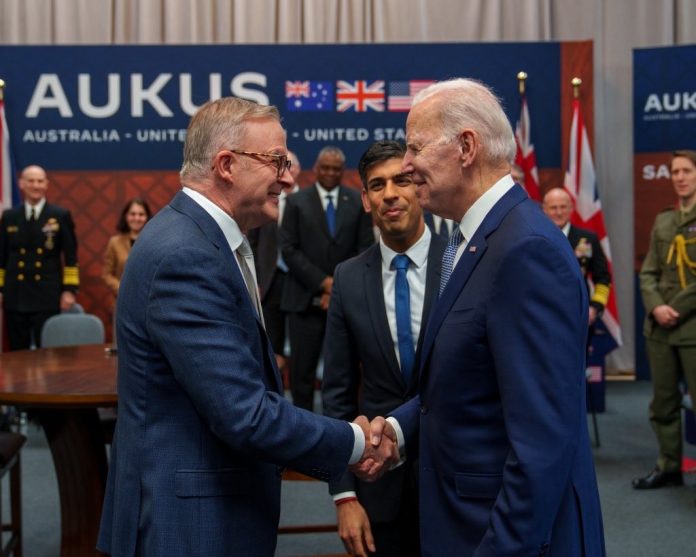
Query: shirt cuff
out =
(399, 438)
(344, 495)
(359, 445)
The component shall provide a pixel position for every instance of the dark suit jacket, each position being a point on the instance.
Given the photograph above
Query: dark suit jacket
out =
(202, 422)
(37, 264)
(264, 242)
(361, 371)
(309, 251)
(499, 421)
(593, 263)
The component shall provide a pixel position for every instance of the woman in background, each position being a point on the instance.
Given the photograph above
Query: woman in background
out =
(133, 217)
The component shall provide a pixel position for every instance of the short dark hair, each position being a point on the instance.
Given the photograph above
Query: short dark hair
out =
(378, 152)
(122, 225)
(686, 153)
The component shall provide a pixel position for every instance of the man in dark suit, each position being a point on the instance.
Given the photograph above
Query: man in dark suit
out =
(558, 206)
(499, 422)
(323, 225)
(271, 270)
(203, 428)
(364, 372)
(38, 261)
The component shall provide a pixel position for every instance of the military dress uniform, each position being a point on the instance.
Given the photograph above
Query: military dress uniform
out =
(668, 276)
(593, 264)
(38, 261)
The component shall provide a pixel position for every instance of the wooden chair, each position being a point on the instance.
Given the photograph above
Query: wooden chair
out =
(10, 446)
(292, 476)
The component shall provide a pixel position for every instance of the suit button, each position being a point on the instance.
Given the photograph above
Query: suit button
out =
(38, 264)
(39, 250)
(20, 264)
(423, 409)
(22, 251)
(20, 276)
(37, 277)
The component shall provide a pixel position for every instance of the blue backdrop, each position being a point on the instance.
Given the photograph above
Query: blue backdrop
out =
(126, 107)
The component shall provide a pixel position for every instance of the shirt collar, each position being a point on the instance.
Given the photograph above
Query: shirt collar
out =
(417, 253)
(37, 208)
(323, 192)
(477, 212)
(566, 229)
(227, 224)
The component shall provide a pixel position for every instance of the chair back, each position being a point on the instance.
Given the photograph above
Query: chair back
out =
(72, 329)
(75, 308)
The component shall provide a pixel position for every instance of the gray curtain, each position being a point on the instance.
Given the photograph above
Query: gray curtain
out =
(615, 26)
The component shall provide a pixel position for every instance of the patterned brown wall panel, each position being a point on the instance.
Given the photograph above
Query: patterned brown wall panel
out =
(652, 193)
(96, 200)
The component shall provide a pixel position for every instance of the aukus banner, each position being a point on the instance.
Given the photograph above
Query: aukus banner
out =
(664, 119)
(127, 107)
(108, 122)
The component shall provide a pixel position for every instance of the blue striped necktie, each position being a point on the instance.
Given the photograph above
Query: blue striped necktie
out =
(449, 255)
(402, 304)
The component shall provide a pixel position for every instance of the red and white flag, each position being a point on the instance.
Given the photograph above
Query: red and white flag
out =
(8, 181)
(526, 158)
(360, 96)
(581, 183)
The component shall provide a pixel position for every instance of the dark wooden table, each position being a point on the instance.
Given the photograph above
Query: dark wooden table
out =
(63, 387)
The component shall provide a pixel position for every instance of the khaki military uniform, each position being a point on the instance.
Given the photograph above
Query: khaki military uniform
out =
(668, 276)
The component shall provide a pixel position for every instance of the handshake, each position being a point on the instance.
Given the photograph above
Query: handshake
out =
(381, 452)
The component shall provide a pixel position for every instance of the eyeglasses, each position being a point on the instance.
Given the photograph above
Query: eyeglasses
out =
(281, 162)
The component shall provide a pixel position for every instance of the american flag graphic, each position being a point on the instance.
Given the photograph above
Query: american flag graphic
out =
(359, 96)
(401, 93)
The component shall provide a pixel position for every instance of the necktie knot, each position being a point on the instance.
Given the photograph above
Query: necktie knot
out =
(244, 248)
(400, 262)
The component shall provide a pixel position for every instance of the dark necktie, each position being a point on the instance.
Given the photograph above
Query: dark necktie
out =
(244, 255)
(32, 215)
(403, 316)
(448, 257)
(331, 215)
(444, 231)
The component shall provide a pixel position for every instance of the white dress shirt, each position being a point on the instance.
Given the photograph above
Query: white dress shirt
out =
(323, 192)
(37, 209)
(416, 275)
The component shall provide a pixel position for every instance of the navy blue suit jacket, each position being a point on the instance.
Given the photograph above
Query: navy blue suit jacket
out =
(202, 423)
(361, 371)
(499, 422)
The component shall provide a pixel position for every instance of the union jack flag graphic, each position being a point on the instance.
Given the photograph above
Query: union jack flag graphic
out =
(360, 96)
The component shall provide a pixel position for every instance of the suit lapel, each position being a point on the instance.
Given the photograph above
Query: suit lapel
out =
(342, 209)
(474, 251)
(374, 293)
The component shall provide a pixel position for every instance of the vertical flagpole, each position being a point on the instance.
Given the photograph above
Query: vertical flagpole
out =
(2, 90)
(521, 79)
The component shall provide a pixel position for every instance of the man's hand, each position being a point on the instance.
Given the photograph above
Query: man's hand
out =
(381, 450)
(67, 300)
(325, 298)
(666, 316)
(354, 529)
(592, 317)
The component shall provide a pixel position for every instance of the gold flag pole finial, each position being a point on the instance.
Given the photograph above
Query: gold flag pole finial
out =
(521, 78)
(576, 82)
(2, 89)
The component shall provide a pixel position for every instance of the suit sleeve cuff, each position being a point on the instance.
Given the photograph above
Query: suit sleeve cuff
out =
(359, 445)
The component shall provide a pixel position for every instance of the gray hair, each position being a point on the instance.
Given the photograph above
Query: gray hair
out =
(467, 103)
(331, 150)
(219, 124)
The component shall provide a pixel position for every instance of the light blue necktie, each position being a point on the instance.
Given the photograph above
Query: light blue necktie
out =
(331, 215)
(403, 316)
(449, 255)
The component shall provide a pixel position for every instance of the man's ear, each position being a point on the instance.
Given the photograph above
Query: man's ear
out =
(468, 146)
(222, 165)
(365, 201)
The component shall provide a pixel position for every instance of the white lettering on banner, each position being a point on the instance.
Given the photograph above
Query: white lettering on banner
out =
(71, 136)
(84, 96)
(49, 93)
(670, 102)
(160, 136)
(350, 134)
(653, 172)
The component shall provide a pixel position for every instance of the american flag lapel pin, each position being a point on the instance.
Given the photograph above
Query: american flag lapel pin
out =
(472, 249)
